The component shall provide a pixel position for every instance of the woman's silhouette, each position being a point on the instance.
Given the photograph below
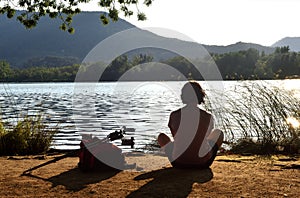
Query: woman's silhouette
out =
(196, 142)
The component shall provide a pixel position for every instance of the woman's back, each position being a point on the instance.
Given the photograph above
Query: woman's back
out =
(189, 126)
(195, 141)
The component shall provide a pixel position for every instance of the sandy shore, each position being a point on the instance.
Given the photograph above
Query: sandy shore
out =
(229, 176)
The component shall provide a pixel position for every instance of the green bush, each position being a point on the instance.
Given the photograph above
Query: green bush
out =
(29, 136)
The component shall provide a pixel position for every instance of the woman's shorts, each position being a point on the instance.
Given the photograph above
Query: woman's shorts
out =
(169, 150)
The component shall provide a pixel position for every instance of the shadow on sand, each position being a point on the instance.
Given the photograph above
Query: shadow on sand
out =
(76, 180)
(171, 182)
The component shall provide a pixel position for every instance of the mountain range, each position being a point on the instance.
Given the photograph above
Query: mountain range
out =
(292, 42)
(20, 46)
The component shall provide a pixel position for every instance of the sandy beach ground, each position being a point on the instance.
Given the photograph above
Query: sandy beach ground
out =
(229, 176)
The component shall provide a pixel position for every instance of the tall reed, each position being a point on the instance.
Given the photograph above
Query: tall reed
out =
(257, 114)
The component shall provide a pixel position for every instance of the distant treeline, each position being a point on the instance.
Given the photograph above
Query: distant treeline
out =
(249, 64)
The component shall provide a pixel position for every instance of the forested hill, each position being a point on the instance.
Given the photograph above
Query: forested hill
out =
(21, 47)
(18, 45)
(292, 42)
(239, 46)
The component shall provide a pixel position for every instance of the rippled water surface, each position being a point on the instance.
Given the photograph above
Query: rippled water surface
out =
(101, 108)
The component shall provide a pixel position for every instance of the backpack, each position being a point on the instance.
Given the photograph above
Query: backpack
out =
(95, 154)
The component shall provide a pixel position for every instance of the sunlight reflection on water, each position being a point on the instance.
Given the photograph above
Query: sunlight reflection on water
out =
(144, 106)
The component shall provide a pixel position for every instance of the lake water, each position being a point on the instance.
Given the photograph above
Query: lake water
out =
(102, 108)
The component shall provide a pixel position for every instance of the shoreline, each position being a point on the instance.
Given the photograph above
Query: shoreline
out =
(297, 77)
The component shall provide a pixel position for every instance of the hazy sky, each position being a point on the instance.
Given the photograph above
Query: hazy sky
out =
(223, 22)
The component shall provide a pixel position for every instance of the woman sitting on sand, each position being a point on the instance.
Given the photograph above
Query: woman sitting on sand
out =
(196, 142)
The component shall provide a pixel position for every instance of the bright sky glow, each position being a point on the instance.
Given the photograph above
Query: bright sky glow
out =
(293, 122)
(223, 22)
